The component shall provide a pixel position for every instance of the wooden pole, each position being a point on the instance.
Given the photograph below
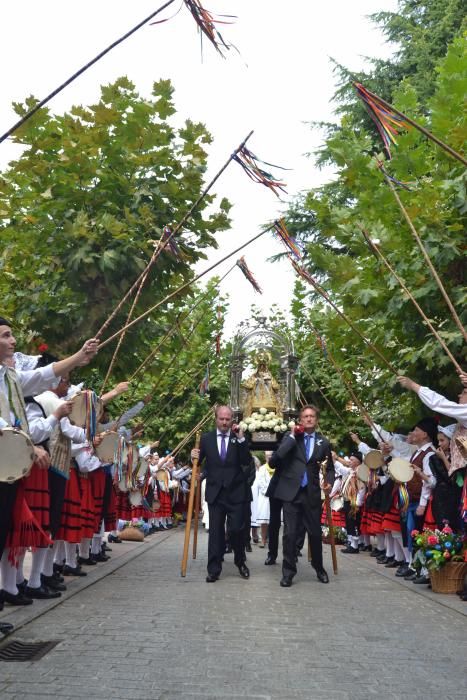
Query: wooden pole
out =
(177, 228)
(180, 289)
(327, 505)
(425, 318)
(427, 258)
(189, 515)
(420, 128)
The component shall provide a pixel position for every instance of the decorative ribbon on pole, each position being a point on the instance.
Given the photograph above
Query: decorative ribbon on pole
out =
(389, 121)
(308, 278)
(283, 235)
(419, 242)
(180, 289)
(241, 263)
(61, 87)
(251, 165)
(206, 22)
(376, 250)
(168, 238)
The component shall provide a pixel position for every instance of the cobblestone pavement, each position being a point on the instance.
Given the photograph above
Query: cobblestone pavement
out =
(144, 633)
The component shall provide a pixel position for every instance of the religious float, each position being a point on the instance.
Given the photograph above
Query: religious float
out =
(264, 404)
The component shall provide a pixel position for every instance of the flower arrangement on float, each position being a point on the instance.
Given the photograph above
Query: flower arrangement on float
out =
(265, 420)
(435, 548)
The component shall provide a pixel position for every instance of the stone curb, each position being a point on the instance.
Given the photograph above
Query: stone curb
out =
(20, 617)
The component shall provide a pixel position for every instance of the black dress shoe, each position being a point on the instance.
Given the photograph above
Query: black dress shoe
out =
(18, 599)
(350, 550)
(248, 547)
(105, 548)
(411, 575)
(394, 564)
(52, 583)
(99, 557)
(22, 586)
(367, 548)
(244, 571)
(114, 539)
(322, 576)
(211, 578)
(41, 593)
(87, 562)
(6, 628)
(286, 581)
(403, 571)
(73, 571)
(57, 577)
(385, 560)
(421, 579)
(270, 560)
(58, 568)
(377, 553)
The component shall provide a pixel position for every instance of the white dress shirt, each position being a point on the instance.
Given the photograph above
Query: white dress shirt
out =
(441, 404)
(32, 382)
(427, 486)
(400, 446)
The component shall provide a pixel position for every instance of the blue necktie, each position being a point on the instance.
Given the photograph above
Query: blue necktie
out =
(304, 481)
(223, 447)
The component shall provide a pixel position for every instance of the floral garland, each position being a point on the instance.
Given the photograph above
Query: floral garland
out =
(435, 548)
(265, 420)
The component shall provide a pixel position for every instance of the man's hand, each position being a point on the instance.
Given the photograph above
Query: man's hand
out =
(299, 430)
(195, 454)
(63, 410)
(386, 448)
(121, 388)
(409, 384)
(326, 487)
(463, 378)
(97, 440)
(420, 510)
(237, 431)
(87, 352)
(355, 438)
(334, 456)
(41, 457)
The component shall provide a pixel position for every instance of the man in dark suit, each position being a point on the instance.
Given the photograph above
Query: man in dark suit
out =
(298, 463)
(227, 465)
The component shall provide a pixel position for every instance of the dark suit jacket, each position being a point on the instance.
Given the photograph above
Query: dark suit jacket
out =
(290, 463)
(233, 474)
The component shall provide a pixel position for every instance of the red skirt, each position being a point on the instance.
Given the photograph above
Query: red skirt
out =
(337, 517)
(88, 510)
(392, 519)
(110, 515)
(165, 511)
(181, 504)
(429, 521)
(125, 511)
(375, 523)
(70, 519)
(37, 495)
(97, 481)
(25, 531)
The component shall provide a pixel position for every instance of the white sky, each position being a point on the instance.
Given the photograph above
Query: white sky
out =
(281, 80)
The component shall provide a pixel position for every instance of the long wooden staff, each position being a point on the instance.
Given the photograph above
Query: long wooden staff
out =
(196, 519)
(188, 437)
(177, 228)
(427, 258)
(425, 318)
(330, 404)
(180, 289)
(189, 515)
(355, 398)
(420, 128)
(43, 102)
(308, 278)
(327, 505)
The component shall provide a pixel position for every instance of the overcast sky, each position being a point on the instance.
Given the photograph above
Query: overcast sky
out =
(281, 80)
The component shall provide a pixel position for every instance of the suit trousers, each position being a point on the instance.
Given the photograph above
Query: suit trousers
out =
(275, 510)
(300, 513)
(219, 511)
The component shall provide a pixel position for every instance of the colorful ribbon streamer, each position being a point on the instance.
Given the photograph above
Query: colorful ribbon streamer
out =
(403, 499)
(91, 407)
(286, 238)
(388, 123)
(405, 185)
(206, 22)
(250, 164)
(241, 262)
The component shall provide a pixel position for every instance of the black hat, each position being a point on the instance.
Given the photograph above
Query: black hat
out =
(430, 426)
(4, 322)
(358, 455)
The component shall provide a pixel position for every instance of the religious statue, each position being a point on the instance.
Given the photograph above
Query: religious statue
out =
(261, 390)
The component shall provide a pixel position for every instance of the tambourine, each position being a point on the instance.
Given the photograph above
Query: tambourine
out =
(373, 459)
(106, 449)
(337, 503)
(80, 407)
(400, 470)
(16, 455)
(363, 472)
(136, 498)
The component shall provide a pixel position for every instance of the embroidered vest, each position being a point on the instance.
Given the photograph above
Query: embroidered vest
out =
(59, 445)
(13, 400)
(414, 486)
(458, 459)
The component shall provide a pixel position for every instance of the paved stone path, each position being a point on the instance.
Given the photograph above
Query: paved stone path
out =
(144, 633)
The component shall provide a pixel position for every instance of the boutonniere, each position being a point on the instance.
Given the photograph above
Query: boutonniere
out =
(319, 442)
(232, 440)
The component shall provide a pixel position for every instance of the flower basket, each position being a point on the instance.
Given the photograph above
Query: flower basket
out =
(131, 534)
(450, 578)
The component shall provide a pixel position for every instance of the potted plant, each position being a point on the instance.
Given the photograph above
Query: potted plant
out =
(443, 552)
